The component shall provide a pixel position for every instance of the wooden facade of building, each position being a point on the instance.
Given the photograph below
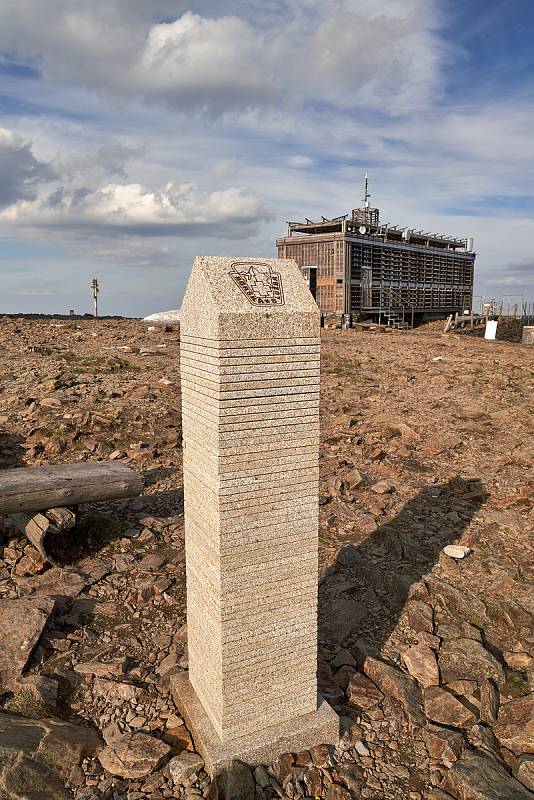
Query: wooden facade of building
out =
(362, 267)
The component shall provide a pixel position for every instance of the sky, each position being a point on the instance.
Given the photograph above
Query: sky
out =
(136, 134)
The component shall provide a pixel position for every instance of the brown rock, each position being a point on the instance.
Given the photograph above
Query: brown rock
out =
(443, 744)
(515, 725)
(517, 661)
(343, 676)
(337, 792)
(466, 658)
(480, 776)
(489, 701)
(362, 692)
(525, 771)
(39, 754)
(444, 708)
(134, 755)
(56, 583)
(115, 690)
(420, 616)
(421, 663)
(313, 780)
(21, 623)
(400, 687)
(184, 767)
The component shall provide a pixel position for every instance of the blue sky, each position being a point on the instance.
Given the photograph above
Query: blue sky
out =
(136, 134)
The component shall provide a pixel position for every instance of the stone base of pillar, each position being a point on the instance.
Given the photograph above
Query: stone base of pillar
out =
(263, 747)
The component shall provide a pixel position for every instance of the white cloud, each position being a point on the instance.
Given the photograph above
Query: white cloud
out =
(299, 161)
(346, 52)
(20, 172)
(83, 199)
(174, 209)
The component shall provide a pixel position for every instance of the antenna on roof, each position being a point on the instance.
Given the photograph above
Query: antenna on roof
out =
(366, 195)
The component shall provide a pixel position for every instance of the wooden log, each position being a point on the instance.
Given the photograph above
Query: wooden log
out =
(41, 488)
(62, 518)
(35, 527)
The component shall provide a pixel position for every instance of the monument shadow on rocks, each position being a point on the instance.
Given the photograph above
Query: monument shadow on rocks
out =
(362, 596)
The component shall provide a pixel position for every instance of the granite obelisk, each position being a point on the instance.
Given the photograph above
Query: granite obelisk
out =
(250, 353)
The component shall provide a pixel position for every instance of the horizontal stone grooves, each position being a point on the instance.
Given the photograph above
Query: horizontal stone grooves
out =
(282, 584)
(243, 380)
(213, 367)
(282, 562)
(231, 520)
(251, 387)
(249, 488)
(243, 595)
(225, 344)
(257, 477)
(228, 531)
(221, 431)
(268, 692)
(240, 440)
(260, 508)
(275, 551)
(281, 602)
(258, 512)
(227, 500)
(215, 375)
(264, 445)
(233, 656)
(268, 677)
(280, 389)
(236, 630)
(272, 713)
(248, 352)
(258, 470)
(282, 659)
(191, 395)
(251, 352)
(258, 539)
(252, 458)
(272, 414)
(259, 361)
(232, 646)
(217, 425)
(252, 486)
(256, 617)
(215, 428)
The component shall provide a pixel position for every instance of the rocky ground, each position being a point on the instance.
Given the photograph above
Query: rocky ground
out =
(426, 650)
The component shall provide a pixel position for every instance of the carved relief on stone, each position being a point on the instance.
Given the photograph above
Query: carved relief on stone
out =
(260, 284)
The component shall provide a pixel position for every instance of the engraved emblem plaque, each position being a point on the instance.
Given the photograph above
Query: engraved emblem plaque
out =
(260, 283)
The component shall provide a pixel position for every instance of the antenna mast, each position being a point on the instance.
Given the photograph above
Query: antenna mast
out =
(366, 195)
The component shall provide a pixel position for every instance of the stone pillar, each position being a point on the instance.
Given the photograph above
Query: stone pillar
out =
(528, 334)
(250, 405)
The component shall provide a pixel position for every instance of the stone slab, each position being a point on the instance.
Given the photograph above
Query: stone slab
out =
(252, 342)
(294, 735)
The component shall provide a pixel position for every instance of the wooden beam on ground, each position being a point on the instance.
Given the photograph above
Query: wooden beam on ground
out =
(27, 489)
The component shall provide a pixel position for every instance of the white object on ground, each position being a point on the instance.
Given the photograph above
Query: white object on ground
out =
(491, 329)
(456, 551)
(169, 317)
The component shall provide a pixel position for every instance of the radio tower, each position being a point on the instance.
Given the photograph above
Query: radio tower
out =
(366, 194)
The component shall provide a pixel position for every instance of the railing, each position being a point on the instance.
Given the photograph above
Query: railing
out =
(390, 308)
(523, 310)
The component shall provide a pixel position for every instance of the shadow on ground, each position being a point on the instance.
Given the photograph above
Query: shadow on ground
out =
(362, 595)
(11, 450)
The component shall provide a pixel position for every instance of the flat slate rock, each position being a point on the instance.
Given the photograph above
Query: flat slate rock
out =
(22, 621)
(37, 756)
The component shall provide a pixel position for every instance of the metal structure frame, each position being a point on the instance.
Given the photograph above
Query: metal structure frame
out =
(382, 271)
